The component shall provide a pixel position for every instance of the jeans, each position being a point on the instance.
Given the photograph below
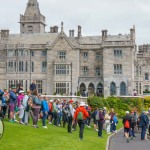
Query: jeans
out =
(69, 123)
(100, 128)
(143, 132)
(44, 118)
(81, 126)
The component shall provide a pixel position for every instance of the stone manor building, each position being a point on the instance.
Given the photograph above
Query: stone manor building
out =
(64, 64)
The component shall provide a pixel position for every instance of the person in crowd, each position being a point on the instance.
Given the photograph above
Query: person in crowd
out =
(32, 86)
(149, 124)
(1, 95)
(59, 112)
(100, 122)
(12, 102)
(133, 123)
(88, 121)
(4, 105)
(127, 125)
(111, 114)
(50, 113)
(144, 121)
(55, 112)
(115, 122)
(107, 123)
(74, 125)
(70, 115)
(20, 106)
(81, 115)
(6, 95)
(134, 92)
(35, 107)
(26, 107)
(64, 113)
(95, 117)
(45, 110)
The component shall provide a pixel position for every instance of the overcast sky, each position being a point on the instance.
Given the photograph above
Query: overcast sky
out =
(117, 16)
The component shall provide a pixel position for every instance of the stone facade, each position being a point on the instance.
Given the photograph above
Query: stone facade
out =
(64, 64)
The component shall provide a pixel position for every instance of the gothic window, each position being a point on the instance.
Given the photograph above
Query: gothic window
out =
(97, 71)
(83, 89)
(85, 70)
(10, 53)
(21, 67)
(30, 29)
(85, 55)
(117, 69)
(26, 66)
(39, 86)
(112, 88)
(98, 56)
(61, 69)
(146, 87)
(146, 76)
(44, 66)
(62, 88)
(118, 53)
(10, 66)
(122, 88)
(32, 53)
(32, 66)
(62, 55)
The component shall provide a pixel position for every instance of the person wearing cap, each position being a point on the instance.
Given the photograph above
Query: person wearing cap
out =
(19, 104)
(127, 118)
(50, 113)
(81, 123)
(12, 102)
(70, 115)
(144, 122)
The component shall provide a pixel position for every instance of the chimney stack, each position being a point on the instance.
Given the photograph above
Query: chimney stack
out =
(79, 31)
(4, 34)
(71, 33)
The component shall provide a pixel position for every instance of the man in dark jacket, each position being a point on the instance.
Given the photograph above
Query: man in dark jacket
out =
(32, 86)
(144, 122)
(100, 122)
(127, 118)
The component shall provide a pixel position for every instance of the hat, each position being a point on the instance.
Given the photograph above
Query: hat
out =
(21, 91)
(127, 112)
(5, 89)
(71, 101)
(82, 104)
(13, 87)
(51, 100)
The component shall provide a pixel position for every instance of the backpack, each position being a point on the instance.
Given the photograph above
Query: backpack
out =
(127, 124)
(80, 115)
(97, 115)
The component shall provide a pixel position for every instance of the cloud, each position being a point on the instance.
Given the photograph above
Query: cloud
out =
(117, 16)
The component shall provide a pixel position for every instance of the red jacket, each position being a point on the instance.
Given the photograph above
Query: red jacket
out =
(83, 110)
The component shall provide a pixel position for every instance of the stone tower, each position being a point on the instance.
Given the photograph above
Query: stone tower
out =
(32, 21)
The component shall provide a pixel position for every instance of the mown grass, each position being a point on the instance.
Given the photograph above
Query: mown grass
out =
(21, 137)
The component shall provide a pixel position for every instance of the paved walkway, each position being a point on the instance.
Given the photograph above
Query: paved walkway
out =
(117, 142)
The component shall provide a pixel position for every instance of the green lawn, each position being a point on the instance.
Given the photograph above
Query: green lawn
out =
(21, 137)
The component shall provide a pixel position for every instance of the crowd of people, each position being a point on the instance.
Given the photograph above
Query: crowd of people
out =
(19, 107)
(134, 122)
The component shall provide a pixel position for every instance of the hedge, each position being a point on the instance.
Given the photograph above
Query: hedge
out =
(120, 104)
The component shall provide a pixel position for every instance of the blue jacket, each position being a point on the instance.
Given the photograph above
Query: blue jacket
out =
(3, 101)
(12, 97)
(144, 120)
(45, 106)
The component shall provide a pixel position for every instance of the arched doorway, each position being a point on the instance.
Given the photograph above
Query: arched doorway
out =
(122, 88)
(91, 89)
(99, 91)
(112, 88)
(83, 89)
